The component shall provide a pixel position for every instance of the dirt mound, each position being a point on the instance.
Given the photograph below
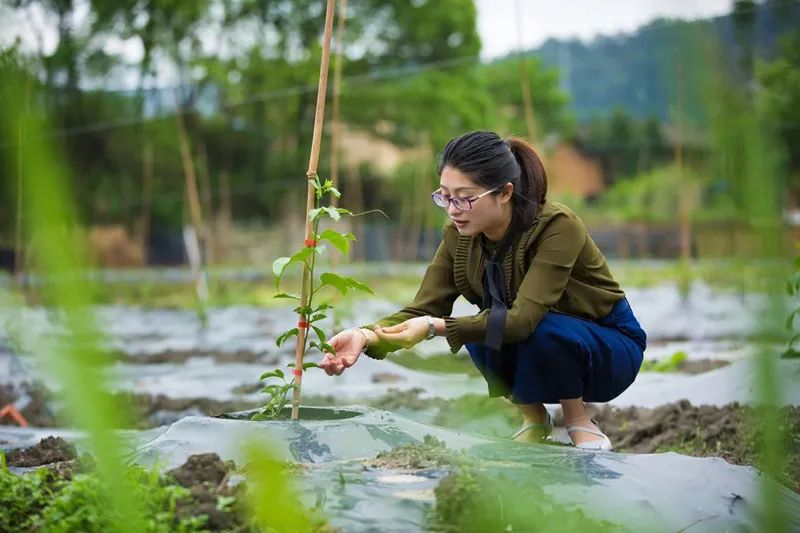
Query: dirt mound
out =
(181, 356)
(732, 432)
(429, 453)
(49, 450)
(33, 401)
(200, 469)
(152, 411)
(206, 476)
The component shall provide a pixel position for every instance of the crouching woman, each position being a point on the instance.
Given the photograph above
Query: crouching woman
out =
(554, 325)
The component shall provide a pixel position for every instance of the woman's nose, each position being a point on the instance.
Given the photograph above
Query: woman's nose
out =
(452, 210)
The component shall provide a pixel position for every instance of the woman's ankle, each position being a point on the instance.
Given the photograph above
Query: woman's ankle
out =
(584, 421)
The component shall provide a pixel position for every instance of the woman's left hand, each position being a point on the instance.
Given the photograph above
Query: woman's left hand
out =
(406, 334)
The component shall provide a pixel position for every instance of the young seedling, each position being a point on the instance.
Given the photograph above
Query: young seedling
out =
(310, 313)
(793, 288)
(278, 393)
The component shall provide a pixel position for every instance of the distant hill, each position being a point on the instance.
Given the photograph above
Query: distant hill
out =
(637, 71)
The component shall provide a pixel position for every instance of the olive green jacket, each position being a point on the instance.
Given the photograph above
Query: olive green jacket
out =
(553, 265)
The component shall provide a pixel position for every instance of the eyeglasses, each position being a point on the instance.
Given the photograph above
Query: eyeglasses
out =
(462, 204)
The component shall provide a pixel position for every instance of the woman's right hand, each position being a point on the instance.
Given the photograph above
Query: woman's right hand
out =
(348, 345)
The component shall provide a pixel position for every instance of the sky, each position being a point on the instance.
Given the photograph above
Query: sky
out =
(582, 19)
(539, 20)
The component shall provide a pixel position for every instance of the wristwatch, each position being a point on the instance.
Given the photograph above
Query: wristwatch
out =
(431, 329)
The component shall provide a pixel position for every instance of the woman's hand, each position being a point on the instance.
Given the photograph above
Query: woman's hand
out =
(406, 334)
(348, 345)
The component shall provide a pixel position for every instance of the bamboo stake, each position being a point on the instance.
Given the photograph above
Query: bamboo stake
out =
(194, 204)
(313, 161)
(204, 184)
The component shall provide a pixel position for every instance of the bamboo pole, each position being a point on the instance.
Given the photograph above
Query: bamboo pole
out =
(194, 204)
(313, 161)
(204, 184)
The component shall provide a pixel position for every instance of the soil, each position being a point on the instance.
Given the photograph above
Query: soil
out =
(48, 450)
(181, 356)
(37, 412)
(152, 411)
(386, 377)
(206, 476)
(430, 453)
(732, 432)
(148, 410)
(698, 366)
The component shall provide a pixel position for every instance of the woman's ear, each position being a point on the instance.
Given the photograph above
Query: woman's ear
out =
(506, 192)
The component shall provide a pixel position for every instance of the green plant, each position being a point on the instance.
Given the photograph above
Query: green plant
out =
(45, 501)
(668, 365)
(309, 312)
(278, 392)
(793, 288)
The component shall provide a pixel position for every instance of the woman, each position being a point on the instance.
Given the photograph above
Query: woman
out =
(554, 327)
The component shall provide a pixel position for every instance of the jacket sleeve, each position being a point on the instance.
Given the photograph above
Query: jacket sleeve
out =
(435, 296)
(554, 256)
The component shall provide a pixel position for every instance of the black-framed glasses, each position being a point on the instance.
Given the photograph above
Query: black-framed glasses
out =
(462, 204)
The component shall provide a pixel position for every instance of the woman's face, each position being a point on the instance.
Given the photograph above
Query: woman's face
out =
(488, 212)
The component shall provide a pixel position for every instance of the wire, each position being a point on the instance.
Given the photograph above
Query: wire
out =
(355, 80)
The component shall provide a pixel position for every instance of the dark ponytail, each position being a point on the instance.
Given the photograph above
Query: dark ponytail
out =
(491, 161)
(532, 181)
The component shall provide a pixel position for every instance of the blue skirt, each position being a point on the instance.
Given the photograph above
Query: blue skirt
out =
(568, 357)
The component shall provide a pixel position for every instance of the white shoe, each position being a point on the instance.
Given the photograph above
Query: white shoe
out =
(546, 428)
(603, 444)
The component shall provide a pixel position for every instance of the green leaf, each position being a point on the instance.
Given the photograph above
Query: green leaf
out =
(279, 372)
(304, 310)
(354, 283)
(259, 416)
(303, 255)
(790, 319)
(332, 212)
(306, 366)
(342, 283)
(334, 280)
(334, 191)
(791, 353)
(793, 341)
(315, 183)
(344, 211)
(322, 307)
(280, 340)
(320, 334)
(287, 295)
(279, 265)
(338, 240)
(318, 316)
(271, 389)
(269, 374)
(314, 214)
(328, 348)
